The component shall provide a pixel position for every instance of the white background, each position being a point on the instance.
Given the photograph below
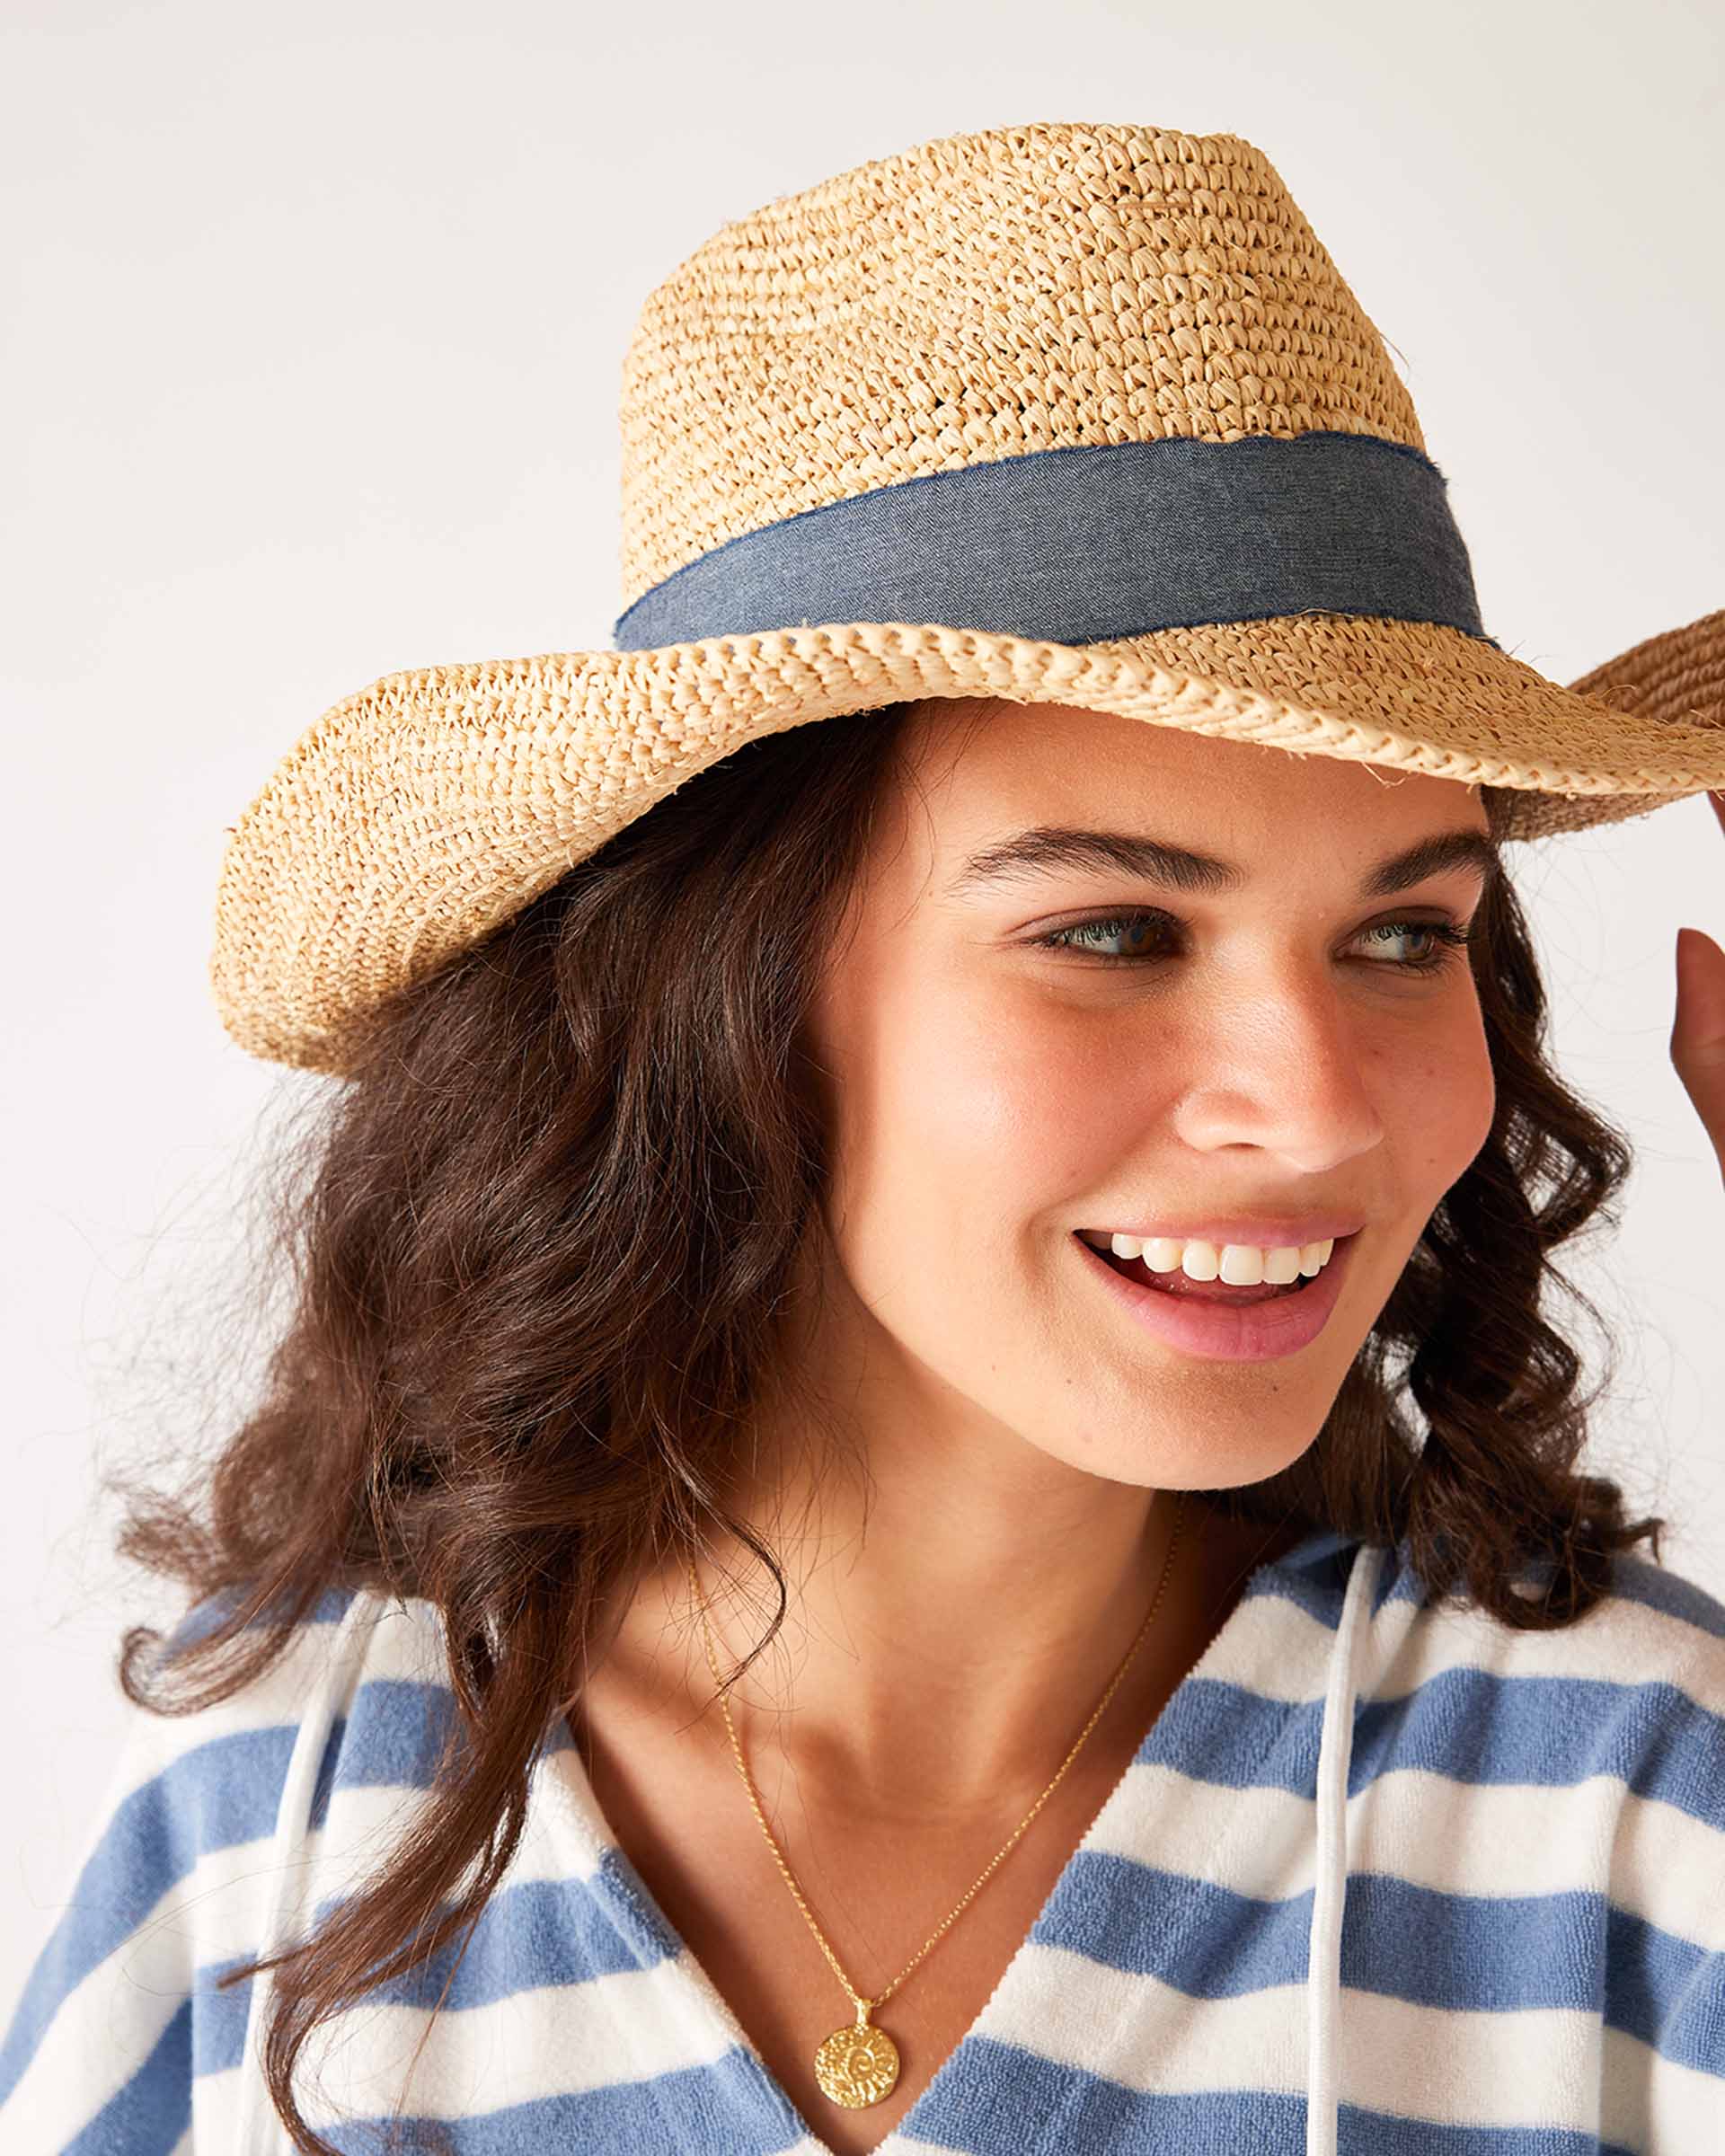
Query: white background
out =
(313, 325)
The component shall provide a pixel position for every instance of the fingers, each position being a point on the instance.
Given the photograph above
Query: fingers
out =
(1698, 1030)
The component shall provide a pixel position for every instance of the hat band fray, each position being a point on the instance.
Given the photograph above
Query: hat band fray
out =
(1091, 542)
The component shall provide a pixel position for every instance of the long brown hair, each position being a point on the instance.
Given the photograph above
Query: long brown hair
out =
(537, 1250)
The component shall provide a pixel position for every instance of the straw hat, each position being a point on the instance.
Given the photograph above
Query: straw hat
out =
(1054, 413)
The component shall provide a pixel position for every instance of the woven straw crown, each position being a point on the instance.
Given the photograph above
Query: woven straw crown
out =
(1061, 414)
(976, 298)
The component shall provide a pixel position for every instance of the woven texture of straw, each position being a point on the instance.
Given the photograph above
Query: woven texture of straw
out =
(977, 298)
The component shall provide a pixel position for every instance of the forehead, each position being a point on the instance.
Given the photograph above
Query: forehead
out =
(976, 769)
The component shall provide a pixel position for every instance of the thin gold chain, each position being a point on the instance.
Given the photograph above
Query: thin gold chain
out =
(855, 1997)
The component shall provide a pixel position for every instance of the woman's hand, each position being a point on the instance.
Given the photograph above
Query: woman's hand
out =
(1698, 1031)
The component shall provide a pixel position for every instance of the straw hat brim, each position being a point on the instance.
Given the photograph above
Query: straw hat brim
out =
(421, 813)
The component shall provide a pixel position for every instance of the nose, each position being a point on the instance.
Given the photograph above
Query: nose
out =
(1285, 1066)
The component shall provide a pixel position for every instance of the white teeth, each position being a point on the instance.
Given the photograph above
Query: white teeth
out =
(1240, 1264)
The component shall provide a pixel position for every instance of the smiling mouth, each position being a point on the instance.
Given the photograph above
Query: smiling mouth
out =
(1183, 1287)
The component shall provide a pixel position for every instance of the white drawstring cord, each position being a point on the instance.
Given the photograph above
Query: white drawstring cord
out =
(1330, 1891)
(261, 2131)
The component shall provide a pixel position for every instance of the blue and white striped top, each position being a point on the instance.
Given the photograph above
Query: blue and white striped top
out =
(1381, 1878)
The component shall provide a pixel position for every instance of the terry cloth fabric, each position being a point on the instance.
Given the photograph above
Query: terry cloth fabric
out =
(1509, 1938)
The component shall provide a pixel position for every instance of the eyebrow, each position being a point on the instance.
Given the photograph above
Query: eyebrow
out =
(1050, 850)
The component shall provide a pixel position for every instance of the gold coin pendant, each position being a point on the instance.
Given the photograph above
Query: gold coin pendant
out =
(857, 2065)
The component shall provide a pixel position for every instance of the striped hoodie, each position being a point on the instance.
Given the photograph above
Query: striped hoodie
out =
(1381, 1878)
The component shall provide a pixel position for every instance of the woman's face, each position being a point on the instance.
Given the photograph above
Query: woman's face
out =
(1272, 1048)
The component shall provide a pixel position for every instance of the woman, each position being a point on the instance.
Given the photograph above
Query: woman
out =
(920, 1495)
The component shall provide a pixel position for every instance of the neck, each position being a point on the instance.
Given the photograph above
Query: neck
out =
(945, 1644)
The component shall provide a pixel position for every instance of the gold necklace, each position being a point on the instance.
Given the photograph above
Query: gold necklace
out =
(858, 2064)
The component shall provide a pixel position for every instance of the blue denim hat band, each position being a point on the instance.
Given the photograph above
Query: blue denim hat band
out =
(1082, 545)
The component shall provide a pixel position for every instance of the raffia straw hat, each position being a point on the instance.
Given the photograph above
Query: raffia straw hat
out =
(1064, 414)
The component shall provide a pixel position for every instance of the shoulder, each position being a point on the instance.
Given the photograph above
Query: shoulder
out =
(1535, 1826)
(358, 1693)
(1650, 1654)
(198, 1849)
(1608, 1733)
(1587, 1762)
(1635, 1690)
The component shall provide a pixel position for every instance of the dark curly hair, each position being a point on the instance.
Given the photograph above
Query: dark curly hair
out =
(537, 1246)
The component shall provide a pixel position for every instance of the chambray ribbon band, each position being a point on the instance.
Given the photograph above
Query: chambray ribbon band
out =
(1091, 542)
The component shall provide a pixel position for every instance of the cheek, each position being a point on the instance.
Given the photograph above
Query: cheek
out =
(967, 1122)
(1436, 1098)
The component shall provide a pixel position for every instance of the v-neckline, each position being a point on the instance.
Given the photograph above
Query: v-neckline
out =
(912, 2135)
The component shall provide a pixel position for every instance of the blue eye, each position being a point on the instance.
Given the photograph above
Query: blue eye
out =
(1448, 940)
